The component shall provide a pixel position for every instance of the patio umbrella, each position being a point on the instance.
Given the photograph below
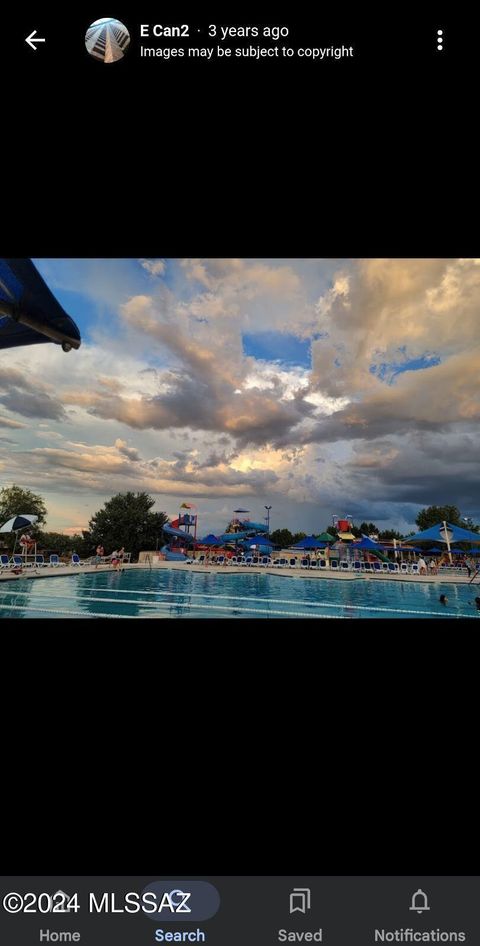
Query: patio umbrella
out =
(17, 523)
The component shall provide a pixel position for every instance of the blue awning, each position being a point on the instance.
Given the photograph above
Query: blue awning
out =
(29, 312)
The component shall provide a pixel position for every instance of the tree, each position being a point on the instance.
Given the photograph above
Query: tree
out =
(389, 534)
(15, 500)
(282, 537)
(332, 530)
(368, 528)
(432, 514)
(468, 523)
(297, 537)
(60, 543)
(126, 520)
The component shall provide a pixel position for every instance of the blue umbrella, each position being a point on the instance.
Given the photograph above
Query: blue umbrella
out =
(18, 522)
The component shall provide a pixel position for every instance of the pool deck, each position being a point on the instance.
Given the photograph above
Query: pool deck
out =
(49, 571)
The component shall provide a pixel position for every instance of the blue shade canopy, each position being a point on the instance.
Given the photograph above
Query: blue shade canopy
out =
(437, 534)
(310, 542)
(367, 543)
(210, 539)
(29, 312)
(259, 540)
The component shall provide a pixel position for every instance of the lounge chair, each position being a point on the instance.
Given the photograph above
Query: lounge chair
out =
(313, 563)
(255, 560)
(304, 563)
(377, 566)
(357, 566)
(18, 561)
(39, 561)
(334, 563)
(234, 560)
(200, 559)
(404, 568)
(344, 566)
(385, 566)
(75, 559)
(220, 560)
(4, 561)
(265, 561)
(54, 560)
(367, 567)
(292, 563)
(249, 560)
(322, 563)
(414, 569)
(283, 563)
(276, 563)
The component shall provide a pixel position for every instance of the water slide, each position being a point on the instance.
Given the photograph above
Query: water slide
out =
(169, 530)
(380, 555)
(235, 536)
(170, 554)
(249, 529)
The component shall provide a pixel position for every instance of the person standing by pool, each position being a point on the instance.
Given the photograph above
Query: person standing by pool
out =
(100, 552)
(467, 563)
(422, 566)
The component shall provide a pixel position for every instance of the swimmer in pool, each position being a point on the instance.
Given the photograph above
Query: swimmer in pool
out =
(443, 599)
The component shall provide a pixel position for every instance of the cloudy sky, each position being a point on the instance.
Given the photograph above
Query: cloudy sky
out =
(318, 387)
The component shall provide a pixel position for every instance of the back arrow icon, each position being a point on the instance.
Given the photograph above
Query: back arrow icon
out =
(31, 41)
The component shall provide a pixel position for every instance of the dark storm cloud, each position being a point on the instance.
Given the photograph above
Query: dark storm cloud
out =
(33, 405)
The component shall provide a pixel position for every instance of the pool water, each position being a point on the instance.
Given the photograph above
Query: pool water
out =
(178, 594)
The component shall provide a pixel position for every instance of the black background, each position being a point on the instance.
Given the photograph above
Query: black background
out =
(204, 750)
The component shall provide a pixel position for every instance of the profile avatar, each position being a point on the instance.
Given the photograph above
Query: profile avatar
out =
(107, 39)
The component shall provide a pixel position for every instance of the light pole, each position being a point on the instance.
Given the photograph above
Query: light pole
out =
(267, 518)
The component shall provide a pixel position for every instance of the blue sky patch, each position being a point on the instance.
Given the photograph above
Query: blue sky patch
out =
(277, 346)
(387, 371)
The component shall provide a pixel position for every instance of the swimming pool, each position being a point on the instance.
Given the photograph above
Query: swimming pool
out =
(149, 593)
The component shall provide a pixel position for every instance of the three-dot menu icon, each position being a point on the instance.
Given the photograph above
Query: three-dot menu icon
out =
(439, 40)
